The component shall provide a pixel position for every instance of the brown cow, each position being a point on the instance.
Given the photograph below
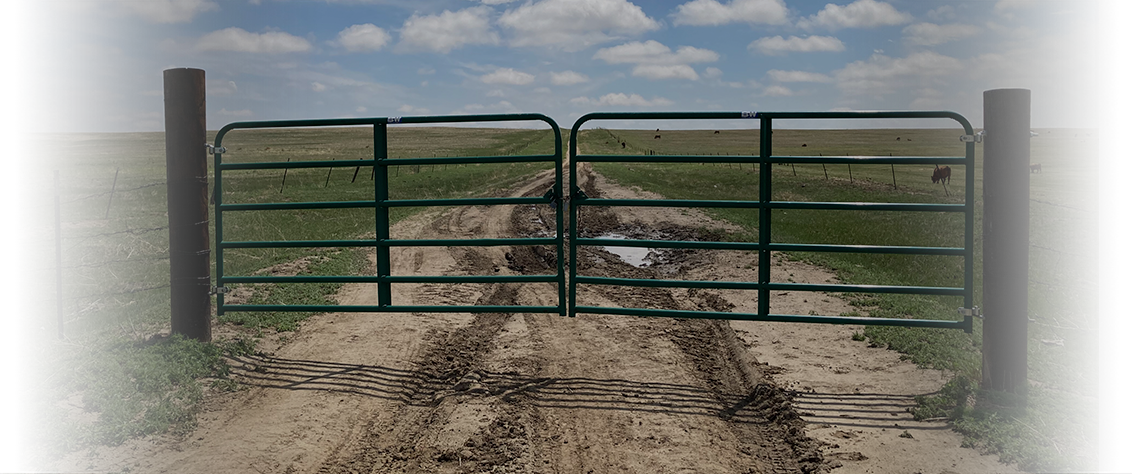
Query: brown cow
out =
(941, 174)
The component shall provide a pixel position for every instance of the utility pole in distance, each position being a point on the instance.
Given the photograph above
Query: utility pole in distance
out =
(1006, 239)
(186, 165)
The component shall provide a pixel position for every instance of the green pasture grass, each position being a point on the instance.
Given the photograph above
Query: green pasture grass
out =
(1055, 430)
(115, 269)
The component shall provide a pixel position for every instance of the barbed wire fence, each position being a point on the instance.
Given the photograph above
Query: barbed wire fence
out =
(111, 255)
(1064, 317)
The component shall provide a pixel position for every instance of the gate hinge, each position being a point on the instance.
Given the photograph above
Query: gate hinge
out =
(215, 149)
(976, 312)
(976, 138)
(219, 290)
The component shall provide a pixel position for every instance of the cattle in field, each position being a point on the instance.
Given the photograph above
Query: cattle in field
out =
(658, 136)
(716, 132)
(941, 174)
(1036, 168)
(622, 145)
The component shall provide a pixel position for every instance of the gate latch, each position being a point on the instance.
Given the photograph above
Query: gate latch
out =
(976, 312)
(215, 149)
(219, 290)
(553, 196)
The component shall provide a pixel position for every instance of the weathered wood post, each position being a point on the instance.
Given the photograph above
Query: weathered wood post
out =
(1006, 238)
(186, 166)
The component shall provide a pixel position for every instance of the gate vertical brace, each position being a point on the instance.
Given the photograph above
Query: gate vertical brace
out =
(572, 203)
(562, 201)
(380, 196)
(1006, 238)
(764, 215)
(186, 166)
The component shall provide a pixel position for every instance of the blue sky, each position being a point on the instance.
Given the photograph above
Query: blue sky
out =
(100, 61)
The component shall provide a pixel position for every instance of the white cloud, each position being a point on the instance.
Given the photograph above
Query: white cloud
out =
(425, 71)
(1063, 62)
(495, 2)
(237, 39)
(881, 75)
(574, 25)
(777, 91)
(409, 109)
(931, 34)
(656, 61)
(658, 71)
(508, 76)
(495, 93)
(361, 109)
(318, 86)
(447, 31)
(568, 78)
(859, 14)
(235, 113)
(946, 12)
(360, 38)
(652, 52)
(1005, 5)
(217, 88)
(797, 76)
(712, 12)
(1018, 33)
(777, 45)
(621, 100)
(168, 11)
(712, 72)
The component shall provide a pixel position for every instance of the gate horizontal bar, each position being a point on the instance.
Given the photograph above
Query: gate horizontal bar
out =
(470, 242)
(867, 206)
(464, 202)
(665, 203)
(786, 318)
(461, 160)
(387, 309)
(687, 244)
(288, 206)
(294, 165)
(755, 159)
(287, 244)
(870, 160)
(675, 244)
(746, 285)
(267, 244)
(831, 206)
(392, 279)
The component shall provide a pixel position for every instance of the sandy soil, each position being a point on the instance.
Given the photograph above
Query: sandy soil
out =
(523, 393)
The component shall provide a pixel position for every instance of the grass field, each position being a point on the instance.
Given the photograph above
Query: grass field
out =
(1056, 431)
(115, 258)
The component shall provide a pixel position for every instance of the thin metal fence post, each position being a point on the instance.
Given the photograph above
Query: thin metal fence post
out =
(112, 188)
(58, 259)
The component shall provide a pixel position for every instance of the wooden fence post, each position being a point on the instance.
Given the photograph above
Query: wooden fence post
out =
(186, 165)
(1006, 238)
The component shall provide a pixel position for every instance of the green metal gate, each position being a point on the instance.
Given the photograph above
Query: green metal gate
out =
(381, 205)
(764, 204)
(567, 288)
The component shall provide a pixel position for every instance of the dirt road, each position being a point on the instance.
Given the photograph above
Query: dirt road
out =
(526, 393)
